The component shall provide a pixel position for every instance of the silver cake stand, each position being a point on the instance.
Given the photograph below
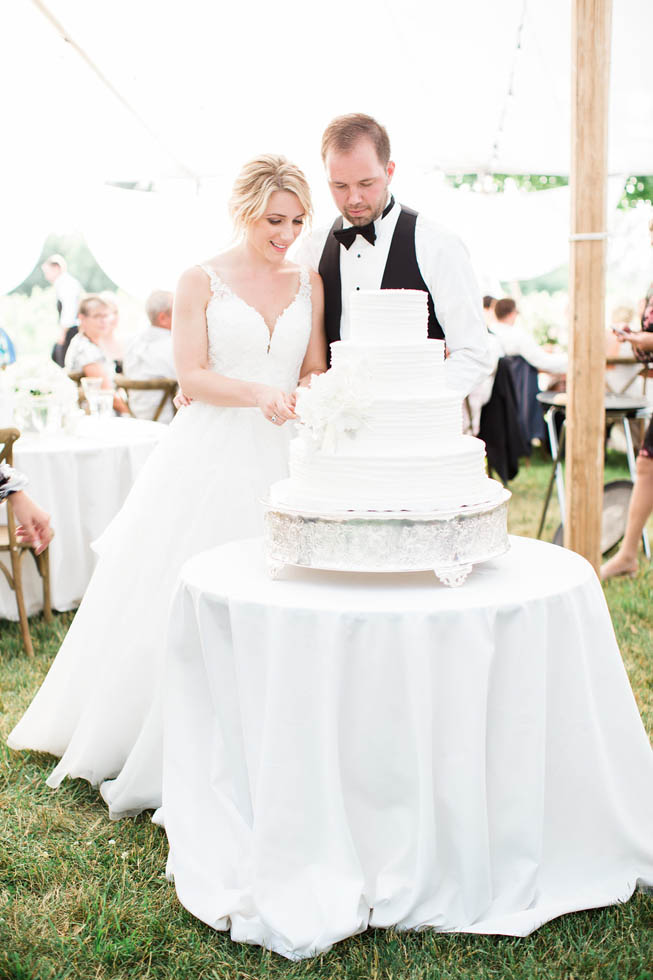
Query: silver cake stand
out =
(449, 543)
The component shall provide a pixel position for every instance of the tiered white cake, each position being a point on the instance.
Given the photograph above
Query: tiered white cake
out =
(380, 431)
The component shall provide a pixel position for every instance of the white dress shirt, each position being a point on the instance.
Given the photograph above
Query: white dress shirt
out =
(445, 268)
(149, 355)
(68, 291)
(515, 339)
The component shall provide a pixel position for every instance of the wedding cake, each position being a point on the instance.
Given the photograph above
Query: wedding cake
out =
(380, 431)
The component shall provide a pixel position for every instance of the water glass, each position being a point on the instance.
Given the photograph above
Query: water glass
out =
(103, 401)
(91, 387)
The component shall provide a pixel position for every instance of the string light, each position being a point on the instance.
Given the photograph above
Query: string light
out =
(494, 156)
(63, 33)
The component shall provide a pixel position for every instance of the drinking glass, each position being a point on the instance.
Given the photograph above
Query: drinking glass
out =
(40, 407)
(103, 403)
(91, 387)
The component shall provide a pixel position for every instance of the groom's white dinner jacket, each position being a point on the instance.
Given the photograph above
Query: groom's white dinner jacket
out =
(447, 273)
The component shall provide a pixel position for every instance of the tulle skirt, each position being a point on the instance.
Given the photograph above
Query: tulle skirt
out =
(99, 707)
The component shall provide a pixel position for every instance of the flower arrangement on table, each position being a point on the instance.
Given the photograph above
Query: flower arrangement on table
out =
(42, 394)
(335, 405)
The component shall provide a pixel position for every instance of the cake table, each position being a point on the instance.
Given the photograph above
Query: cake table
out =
(349, 750)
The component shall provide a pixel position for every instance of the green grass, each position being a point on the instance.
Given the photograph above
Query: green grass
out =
(82, 897)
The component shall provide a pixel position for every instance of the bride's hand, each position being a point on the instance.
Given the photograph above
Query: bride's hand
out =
(181, 400)
(275, 404)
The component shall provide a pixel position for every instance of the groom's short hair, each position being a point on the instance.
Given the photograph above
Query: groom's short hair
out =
(344, 132)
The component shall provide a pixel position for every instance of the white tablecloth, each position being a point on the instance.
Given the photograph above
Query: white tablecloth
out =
(82, 482)
(350, 750)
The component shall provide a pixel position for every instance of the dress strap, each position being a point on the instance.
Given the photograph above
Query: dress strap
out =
(216, 281)
(304, 282)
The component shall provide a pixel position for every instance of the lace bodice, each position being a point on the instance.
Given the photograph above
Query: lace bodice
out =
(240, 344)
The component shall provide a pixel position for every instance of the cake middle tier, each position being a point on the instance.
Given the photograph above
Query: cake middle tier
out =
(454, 477)
(400, 427)
(403, 369)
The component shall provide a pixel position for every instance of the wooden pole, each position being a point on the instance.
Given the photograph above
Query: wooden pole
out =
(591, 21)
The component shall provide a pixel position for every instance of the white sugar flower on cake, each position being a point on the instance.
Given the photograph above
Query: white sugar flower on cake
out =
(335, 405)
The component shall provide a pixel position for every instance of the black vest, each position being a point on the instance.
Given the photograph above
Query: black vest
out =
(401, 272)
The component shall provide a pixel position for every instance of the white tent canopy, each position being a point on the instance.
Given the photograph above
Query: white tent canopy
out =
(461, 87)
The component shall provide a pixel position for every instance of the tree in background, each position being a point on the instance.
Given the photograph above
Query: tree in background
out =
(81, 264)
(636, 189)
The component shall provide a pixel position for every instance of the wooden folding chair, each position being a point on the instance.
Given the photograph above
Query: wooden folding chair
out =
(167, 387)
(17, 551)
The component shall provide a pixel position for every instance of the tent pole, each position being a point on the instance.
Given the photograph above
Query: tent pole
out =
(591, 24)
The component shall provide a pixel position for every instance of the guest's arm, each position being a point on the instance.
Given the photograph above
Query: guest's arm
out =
(32, 523)
(642, 340)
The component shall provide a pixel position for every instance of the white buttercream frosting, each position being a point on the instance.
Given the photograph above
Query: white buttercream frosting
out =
(380, 431)
(388, 316)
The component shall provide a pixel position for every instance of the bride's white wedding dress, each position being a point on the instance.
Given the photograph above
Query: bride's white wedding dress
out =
(98, 707)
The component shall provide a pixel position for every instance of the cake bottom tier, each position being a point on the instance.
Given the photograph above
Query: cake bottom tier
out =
(454, 478)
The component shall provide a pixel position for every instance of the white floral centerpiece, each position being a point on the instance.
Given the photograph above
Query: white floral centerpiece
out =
(41, 392)
(333, 407)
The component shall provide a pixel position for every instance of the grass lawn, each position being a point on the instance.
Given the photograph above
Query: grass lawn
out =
(82, 897)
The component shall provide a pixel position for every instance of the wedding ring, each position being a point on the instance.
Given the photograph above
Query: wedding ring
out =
(273, 418)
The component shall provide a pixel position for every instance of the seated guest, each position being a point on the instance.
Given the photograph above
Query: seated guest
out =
(150, 356)
(85, 353)
(7, 349)
(111, 342)
(525, 359)
(489, 302)
(516, 340)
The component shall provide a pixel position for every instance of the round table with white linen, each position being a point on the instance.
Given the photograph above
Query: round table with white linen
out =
(344, 751)
(82, 481)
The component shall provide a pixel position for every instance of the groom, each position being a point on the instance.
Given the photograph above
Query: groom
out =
(378, 243)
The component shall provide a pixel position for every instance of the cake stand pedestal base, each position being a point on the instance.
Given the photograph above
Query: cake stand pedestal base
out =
(448, 543)
(453, 577)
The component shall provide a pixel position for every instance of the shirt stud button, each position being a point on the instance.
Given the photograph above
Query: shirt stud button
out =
(357, 287)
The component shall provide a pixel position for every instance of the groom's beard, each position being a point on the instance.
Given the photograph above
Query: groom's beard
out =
(368, 216)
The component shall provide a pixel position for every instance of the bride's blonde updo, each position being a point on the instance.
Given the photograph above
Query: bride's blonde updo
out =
(258, 180)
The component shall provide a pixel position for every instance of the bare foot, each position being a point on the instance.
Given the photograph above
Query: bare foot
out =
(618, 565)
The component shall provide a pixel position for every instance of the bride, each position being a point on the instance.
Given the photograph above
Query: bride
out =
(247, 327)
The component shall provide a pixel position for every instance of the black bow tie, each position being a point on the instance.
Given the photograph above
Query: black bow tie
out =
(347, 236)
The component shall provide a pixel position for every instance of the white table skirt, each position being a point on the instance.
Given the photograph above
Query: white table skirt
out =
(82, 482)
(353, 750)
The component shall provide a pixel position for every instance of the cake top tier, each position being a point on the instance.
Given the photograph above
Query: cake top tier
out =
(388, 316)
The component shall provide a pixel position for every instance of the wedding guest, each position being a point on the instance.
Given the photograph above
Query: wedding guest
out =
(7, 349)
(111, 342)
(32, 523)
(378, 243)
(489, 302)
(624, 562)
(621, 377)
(515, 339)
(68, 292)
(149, 355)
(85, 352)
